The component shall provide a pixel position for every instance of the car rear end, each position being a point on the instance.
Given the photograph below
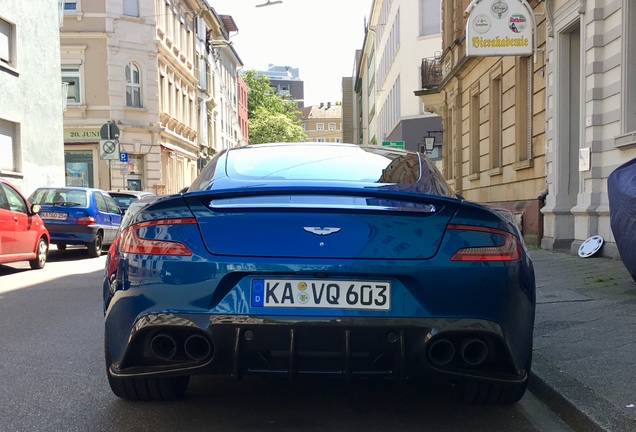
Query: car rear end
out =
(348, 279)
(67, 214)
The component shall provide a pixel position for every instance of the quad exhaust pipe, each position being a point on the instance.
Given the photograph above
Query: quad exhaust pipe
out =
(196, 347)
(471, 351)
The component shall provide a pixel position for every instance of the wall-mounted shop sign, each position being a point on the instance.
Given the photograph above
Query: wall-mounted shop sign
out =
(77, 134)
(500, 28)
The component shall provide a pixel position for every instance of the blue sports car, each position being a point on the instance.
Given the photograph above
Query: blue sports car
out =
(341, 260)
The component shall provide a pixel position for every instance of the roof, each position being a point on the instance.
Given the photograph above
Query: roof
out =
(325, 111)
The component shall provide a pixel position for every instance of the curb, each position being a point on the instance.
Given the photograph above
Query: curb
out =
(579, 406)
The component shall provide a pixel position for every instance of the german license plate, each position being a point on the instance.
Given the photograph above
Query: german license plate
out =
(53, 215)
(323, 294)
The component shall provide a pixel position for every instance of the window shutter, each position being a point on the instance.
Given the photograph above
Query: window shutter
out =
(7, 139)
(5, 41)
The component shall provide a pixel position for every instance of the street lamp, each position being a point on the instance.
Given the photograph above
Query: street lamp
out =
(269, 3)
(429, 144)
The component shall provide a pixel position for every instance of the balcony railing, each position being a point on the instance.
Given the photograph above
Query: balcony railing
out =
(431, 71)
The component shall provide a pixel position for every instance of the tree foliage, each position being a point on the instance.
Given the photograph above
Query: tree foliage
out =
(271, 118)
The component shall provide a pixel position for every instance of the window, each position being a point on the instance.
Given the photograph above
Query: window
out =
(523, 108)
(71, 75)
(320, 126)
(133, 85)
(101, 204)
(131, 8)
(112, 205)
(332, 126)
(495, 119)
(16, 203)
(70, 5)
(474, 130)
(430, 17)
(6, 41)
(9, 150)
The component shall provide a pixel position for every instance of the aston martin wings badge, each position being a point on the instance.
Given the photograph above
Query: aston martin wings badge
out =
(322, 230)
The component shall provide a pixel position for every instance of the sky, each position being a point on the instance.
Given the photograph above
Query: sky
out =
(319, 37)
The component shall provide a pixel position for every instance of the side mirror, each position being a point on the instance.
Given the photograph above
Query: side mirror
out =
(35, 208)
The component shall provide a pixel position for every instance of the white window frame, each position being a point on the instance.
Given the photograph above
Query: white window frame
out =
(332, 126)
(9, 146)
(7, 42)
(73, 58)
(133, 87)
(320, 126)
(72, 74)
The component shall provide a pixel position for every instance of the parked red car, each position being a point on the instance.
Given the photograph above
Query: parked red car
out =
(23, 236)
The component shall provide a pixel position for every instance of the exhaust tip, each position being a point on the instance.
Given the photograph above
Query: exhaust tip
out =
(198, 347)
(474, 351)
(441, 352)
(163, 346)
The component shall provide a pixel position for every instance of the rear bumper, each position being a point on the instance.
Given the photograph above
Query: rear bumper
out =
(399, 349)
(72, 234)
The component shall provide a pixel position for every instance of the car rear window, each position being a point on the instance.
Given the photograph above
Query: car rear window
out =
(59, 196)
(331, 163)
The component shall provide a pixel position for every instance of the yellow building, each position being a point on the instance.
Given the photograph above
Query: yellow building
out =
(322, 123)
(493, 110)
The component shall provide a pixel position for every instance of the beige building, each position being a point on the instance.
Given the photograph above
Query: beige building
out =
(135, 64)
(322, 123)
(31, 97)
(493, 110)
(590, 116)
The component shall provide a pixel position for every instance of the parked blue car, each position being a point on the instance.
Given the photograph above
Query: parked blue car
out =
(78, 216)
(333, 260)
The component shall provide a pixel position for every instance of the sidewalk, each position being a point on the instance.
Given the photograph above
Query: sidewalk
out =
(584, 362)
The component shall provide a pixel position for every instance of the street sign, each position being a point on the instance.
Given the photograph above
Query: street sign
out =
(123, 157)
(109, 149)
(109, 131)
(124, 169)
(393, 144)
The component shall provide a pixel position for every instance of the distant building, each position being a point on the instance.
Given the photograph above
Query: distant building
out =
(31, 99)
(286, 81)
(386, 75)
(322, 123)
(164, 73)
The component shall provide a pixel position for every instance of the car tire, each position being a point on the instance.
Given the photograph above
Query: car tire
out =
(61, 246)
(42, 251)
(95, 247)
(146, 389)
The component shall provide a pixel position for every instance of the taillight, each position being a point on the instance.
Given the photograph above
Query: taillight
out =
(86, 220)
(130, 242)
(510, 250)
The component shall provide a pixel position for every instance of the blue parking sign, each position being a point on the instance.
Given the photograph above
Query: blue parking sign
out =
(123, 157)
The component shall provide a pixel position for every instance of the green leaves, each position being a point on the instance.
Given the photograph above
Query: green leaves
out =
(271, 118)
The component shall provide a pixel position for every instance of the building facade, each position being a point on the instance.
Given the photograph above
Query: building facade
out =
(31, 100)
(590, 116)
(322, 123)
(397, 31)
(493, 109)
(136, 65)
(286, 82)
